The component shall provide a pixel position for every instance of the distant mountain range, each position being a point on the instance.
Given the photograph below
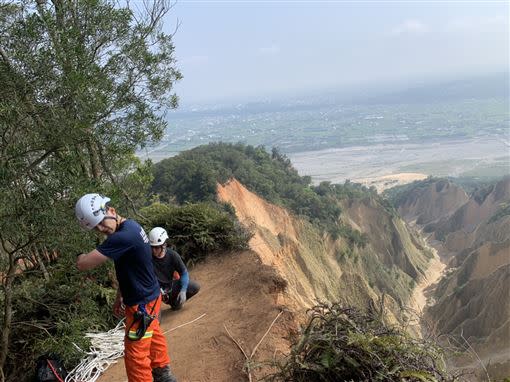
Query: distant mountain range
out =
(496, 86)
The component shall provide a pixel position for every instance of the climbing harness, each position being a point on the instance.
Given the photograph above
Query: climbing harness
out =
(144, 320)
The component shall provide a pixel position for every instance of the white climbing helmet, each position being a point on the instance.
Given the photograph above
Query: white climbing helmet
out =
(157, 236)
(90, 210)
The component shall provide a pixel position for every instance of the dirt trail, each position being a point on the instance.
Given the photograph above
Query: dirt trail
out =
(237, 291)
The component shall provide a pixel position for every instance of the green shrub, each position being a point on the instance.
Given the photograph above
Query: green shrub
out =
(343, 344)
(197, 229)
(53, 315)
(353, 236)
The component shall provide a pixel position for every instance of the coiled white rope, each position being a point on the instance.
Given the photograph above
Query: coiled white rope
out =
(104, 351)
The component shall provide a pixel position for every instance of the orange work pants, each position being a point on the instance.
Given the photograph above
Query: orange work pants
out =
(150, 352)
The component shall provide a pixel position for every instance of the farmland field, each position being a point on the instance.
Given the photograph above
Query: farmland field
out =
(335, 141)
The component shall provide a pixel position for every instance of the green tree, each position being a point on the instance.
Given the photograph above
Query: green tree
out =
(85, 84)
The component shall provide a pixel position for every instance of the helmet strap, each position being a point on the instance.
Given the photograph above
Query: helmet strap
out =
(118, 220)
(162, 251)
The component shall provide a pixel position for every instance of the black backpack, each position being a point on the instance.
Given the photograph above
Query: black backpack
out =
(50, 368)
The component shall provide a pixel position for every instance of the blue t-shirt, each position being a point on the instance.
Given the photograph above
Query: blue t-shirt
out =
(129, 248)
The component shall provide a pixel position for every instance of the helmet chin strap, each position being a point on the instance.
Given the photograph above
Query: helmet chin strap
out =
(117, 220)
(161, 252)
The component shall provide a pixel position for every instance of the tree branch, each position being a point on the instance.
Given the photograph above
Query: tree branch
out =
(5, 58)
(265, 334)
(38, 327)
(114, 181)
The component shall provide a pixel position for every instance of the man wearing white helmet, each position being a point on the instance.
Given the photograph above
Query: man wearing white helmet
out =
(145, 351)
(170, 270)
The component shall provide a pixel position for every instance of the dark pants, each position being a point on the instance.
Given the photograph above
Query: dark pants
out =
(175, 288)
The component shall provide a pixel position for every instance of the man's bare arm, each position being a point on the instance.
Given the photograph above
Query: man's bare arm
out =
(91, 260)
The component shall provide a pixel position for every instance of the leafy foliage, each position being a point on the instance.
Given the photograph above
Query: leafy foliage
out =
(52, 315)
(84, 85)
(353, 236)
(343, 344)
(197, 229)
(192, 175)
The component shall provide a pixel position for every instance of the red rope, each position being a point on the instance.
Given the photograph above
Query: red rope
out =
(54, 371)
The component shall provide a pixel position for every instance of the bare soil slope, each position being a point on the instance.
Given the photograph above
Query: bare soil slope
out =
(238, 292)
(289, 245)
(316, 267)
(480, 207)
(433, 201)
(472, 299)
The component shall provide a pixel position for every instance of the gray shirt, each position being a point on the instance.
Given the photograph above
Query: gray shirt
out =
(166, 266)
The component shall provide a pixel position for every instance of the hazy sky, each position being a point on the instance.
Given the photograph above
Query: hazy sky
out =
(234, 49)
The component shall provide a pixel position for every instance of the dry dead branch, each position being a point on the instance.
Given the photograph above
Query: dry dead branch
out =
(249, 359)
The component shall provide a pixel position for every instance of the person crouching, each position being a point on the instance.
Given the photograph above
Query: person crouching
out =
(172, 274)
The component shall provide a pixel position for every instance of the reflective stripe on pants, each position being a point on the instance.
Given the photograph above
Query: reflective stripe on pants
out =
(141, 356)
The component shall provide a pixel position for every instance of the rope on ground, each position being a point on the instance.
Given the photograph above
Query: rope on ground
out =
(105, 349)
(187, 323)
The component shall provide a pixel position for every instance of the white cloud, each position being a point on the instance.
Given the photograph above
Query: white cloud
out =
(410, 26)
(271, 50)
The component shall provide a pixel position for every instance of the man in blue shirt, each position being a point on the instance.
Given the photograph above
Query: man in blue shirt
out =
(170, 271)
(145, 351)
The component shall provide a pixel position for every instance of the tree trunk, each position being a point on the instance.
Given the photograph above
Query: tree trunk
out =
(94, 161)
(6, 327)
(40, 262)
